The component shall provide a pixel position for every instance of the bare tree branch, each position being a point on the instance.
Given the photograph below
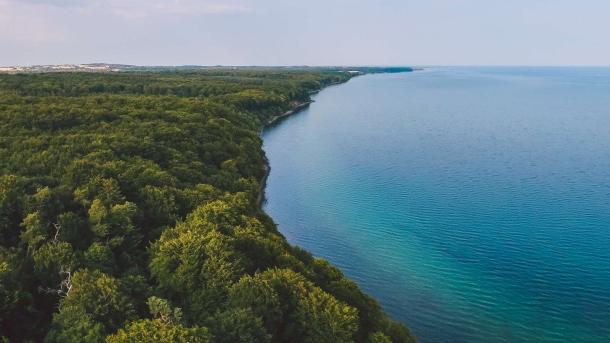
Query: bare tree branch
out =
(57, 228)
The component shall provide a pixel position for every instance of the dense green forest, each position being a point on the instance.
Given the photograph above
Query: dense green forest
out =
(129, 213)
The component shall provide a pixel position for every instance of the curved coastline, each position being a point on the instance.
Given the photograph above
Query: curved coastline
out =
(186, 232)
(295, 109)
(261, 198)
(275, 120)
(390, 210)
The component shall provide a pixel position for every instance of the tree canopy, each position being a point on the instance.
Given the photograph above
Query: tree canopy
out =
(129, 213)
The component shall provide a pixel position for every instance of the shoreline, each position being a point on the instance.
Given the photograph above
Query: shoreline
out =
(261, 196)
(275, 120)
(295, 109)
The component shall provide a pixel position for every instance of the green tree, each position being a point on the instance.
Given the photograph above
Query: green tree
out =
(100, 256)
(11, 208)
(99, 301)
(195, 264)
(155, 331)
(72, 324)
(12, 296)
(118, 186)
(311, 315)
(161, 309)
(35, 231)
(51, 260)
(73, 229)
(238, 325)
(379, 337)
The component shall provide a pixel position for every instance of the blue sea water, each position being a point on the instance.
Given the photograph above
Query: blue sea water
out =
(473, 203)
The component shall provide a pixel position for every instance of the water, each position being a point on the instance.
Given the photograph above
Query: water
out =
(474, 203)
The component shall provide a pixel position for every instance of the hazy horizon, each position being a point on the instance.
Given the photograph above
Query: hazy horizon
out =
(326, 65)
(316, 33)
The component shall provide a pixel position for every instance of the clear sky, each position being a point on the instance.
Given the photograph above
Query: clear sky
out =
(307, 32)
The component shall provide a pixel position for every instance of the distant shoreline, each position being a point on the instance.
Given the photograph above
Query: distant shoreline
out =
(118, 68)
(298, 107)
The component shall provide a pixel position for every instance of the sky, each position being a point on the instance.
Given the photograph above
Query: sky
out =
(311, 32)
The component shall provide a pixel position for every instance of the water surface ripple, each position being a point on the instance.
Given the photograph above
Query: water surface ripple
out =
(474, 203)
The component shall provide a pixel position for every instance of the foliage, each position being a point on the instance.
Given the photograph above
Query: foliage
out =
(154, 331)
(238, 325)
(129, 213)
(161, 309)
(294, 308)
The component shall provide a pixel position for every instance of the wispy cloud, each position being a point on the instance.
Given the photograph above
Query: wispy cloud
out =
(34, 22)
(141, 8)
(144, 8)
(57, 3)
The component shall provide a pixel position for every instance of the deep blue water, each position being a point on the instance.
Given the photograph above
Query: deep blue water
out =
(474, 203)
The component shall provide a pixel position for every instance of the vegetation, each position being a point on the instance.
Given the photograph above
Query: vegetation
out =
(128, 213)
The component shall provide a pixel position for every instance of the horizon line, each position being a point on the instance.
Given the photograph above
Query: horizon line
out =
(307, 65)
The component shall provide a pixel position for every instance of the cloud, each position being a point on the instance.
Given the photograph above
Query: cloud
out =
(28, 27)
(141, 8)
(57, 3)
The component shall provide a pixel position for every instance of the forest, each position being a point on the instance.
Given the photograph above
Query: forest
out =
(129, 213)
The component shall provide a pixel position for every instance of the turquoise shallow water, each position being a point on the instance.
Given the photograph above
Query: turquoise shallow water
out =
(474, 203)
